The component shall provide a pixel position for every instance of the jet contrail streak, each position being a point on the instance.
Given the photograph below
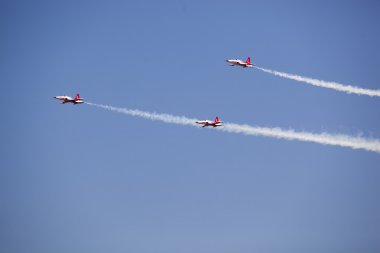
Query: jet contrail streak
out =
(320, 83)
(323, 138)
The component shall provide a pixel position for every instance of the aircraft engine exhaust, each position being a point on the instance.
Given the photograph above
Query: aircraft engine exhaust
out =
(320, 83)
(321, 138)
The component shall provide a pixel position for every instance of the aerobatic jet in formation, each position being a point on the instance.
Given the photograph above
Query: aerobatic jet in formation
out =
(237, 62)
(67, 99)
(214, 123)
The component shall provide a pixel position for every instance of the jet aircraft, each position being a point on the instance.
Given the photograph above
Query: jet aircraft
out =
(237, 62)
(67, 99)
(214, 123)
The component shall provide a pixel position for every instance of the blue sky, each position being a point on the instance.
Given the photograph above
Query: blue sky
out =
(82, 179)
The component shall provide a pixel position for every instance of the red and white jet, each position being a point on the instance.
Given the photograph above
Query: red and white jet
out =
(67, 99)
(237, 62)
(214, 123)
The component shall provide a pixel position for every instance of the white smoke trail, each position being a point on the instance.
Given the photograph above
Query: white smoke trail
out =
(320, 83)
(323, 138)
(167, 118)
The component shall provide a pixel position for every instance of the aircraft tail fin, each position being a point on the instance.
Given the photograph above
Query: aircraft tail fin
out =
(216, 119)
(248, 61)
(77, 96)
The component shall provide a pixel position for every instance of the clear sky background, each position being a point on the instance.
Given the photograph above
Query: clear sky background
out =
(83, 179)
